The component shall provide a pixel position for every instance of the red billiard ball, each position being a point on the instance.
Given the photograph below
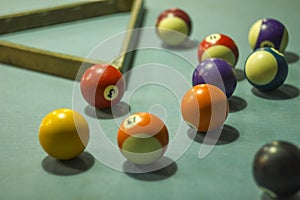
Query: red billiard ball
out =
(218, 46)
(276, 169)
(173, 26)
(102, 86)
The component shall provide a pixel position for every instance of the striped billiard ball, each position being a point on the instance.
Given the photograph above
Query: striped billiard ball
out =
(268, 33)
(218, 72)
(143, 138)
(266, 69)
(218, 46)
(173, 26)
(204, 107)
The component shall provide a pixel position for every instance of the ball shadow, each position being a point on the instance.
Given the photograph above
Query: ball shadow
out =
(291, 57)
(118, 110)
(228, 135)
(156, 175)
(284, 92)
(189, 44)
(265, 196)
(75, 166)
(236, 104)
(239, 74)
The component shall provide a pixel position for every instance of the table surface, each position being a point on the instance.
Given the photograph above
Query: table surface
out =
(225, 173)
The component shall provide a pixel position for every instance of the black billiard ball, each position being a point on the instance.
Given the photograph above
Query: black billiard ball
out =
(276, 169)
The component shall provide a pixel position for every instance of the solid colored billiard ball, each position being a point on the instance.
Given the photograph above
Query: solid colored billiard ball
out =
(102, 86)
(173, 26)
(143, 138)
(276, 169)
(204, 107)
(218, 46)
(268, 33)
(217, 72)
(64, 134)
(266, 69)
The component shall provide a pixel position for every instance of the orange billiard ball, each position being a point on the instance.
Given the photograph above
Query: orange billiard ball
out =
(143, 138)
(63, 134)
(204, 107)
(102, 86)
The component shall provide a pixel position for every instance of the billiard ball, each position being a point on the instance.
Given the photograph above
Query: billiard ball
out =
(63, 134)
(173, 26)
(217, 72)
(143, 138)
(204, 107)
(268, 33)
(102, 86)
(276, 169)
(266, 69)
(218, 46)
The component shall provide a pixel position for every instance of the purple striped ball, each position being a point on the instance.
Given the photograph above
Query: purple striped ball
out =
(268, 33)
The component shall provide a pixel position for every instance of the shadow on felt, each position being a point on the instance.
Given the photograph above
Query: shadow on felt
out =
(118, 110)
(291, 57)
(284, 92)
(236, 104)
(78, 165)
(146, 172)
(239, 74)
(228, 135)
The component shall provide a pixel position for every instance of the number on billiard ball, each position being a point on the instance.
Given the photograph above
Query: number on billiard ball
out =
(102, 86)
(276, 169)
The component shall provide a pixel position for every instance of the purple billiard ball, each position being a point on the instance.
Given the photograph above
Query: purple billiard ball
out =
(217, 72)
(268, 33)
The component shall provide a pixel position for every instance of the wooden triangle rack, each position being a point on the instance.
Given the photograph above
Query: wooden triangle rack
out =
(59, 64)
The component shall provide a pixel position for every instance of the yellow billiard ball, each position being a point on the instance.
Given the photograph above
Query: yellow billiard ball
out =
(64, 134)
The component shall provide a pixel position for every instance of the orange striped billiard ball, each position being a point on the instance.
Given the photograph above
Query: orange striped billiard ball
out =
(143, 138)
(204, 107)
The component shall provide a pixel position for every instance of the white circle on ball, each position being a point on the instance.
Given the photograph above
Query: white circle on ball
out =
(131, 121)
(213, 38)
(111, 92)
